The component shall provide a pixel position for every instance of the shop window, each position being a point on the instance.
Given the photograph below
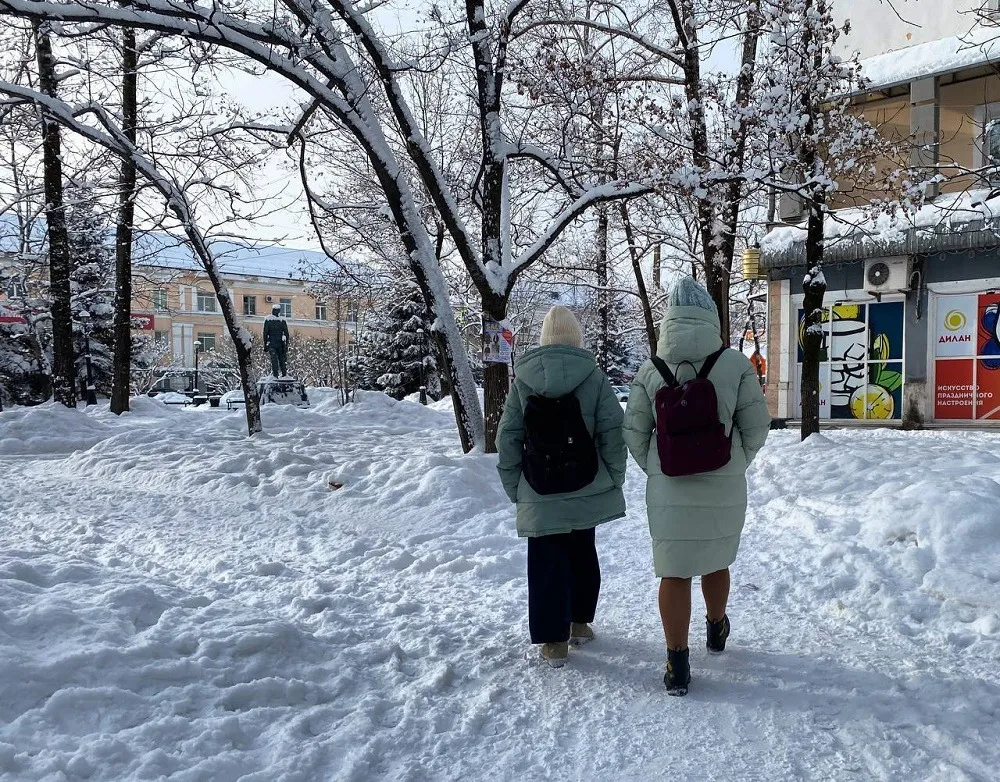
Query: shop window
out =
(861, 361)
(967, 357)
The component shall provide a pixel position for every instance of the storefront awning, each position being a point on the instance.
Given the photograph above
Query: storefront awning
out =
(969, 221)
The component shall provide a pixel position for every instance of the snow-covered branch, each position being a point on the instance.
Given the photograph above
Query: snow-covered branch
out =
(613, 191)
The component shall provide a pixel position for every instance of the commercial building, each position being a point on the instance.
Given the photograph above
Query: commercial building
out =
(913, 300)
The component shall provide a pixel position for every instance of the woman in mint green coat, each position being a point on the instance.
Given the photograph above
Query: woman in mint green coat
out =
(564, 576)
(695, 521)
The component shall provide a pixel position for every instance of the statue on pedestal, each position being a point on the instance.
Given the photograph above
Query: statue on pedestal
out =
(279, 388)
(276, 342)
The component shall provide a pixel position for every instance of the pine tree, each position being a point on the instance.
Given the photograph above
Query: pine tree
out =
(395, 354)
(92, 287)
(621, 348)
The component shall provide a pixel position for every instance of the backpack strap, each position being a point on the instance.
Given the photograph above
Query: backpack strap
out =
(664, 370)
(709, 364)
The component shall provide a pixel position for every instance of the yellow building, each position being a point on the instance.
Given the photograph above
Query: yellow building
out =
(180, 307)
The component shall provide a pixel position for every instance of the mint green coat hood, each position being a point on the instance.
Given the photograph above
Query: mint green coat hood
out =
(553, 371)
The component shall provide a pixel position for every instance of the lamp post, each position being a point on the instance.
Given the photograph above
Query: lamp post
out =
(91, 394)
(423, 353)
(197, 350)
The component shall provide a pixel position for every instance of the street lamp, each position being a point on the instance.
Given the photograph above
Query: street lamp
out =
(91, 395)
(197, 350)
(423, 352)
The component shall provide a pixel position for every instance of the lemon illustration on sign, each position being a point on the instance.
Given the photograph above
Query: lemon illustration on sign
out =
(955, 320)
(877, 401)
(881, 348)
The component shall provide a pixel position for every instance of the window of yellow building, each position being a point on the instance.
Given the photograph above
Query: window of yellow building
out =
(206, 302)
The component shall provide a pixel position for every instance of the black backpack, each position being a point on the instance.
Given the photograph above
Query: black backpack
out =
(559, 455)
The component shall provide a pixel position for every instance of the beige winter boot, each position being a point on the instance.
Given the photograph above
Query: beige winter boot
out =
(556, 654)
(580, 633)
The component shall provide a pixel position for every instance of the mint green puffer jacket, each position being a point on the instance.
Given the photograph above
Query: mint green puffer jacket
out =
(695, 521)
(553, 371)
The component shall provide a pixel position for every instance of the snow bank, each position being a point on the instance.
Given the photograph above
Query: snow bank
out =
(899, 527)
(48, 429)
(343, 598)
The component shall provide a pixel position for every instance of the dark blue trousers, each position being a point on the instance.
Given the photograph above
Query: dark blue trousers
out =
(564, 582)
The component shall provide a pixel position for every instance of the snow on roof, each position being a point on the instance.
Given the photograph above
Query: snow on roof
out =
(164, 250)
(851, 234)
(161, 249)
(979, 47)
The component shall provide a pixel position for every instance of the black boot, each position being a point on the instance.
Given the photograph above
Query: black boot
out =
(718, 632)
(678, 675)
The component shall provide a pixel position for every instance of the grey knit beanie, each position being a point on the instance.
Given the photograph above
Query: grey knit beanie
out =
(687, 292)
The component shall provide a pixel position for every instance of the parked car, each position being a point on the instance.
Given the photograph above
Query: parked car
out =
(621, 392)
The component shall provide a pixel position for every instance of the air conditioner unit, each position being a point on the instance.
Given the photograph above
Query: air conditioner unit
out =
(888, 275)
(269, 299)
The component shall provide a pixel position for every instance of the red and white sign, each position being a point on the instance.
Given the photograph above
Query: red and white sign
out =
(143, 322)
(10, 316)
(953, 390)
(967, 369)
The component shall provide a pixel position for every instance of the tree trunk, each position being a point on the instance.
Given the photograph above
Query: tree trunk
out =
(603, 294)
(496, 377)
(239, 335)
(63, 359)
(640, 282)
(122, 377)
(814, 288)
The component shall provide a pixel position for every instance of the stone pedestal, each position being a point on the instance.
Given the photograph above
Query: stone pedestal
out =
(282, 391)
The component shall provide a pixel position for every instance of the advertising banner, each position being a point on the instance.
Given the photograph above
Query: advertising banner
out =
(967, 348)
(955, 326)
(498, 342)
(953, 390)
(824, 392)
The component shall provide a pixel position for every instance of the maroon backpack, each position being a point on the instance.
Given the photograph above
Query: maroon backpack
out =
(690, 438)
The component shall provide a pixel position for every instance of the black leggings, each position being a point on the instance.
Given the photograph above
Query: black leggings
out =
(564, 581)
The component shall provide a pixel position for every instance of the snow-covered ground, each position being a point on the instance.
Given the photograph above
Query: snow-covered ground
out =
(177, 601)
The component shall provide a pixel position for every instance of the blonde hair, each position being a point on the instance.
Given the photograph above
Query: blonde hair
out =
(561, 327)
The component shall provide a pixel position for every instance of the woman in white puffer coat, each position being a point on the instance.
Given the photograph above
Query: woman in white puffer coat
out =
(695, 521)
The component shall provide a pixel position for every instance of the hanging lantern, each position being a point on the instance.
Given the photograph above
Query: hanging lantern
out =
(751, 264)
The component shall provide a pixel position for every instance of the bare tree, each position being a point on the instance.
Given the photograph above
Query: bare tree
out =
(819, 143)
(112, 138)
(125, 229)
(64, 360)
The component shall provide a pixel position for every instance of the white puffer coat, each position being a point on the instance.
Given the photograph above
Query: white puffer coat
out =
(695, 521)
